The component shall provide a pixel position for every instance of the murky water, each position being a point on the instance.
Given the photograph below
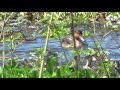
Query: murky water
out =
(22, 50)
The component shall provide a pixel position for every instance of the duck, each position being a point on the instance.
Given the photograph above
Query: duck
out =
(29, 16)
(67, 41)
(101, 16)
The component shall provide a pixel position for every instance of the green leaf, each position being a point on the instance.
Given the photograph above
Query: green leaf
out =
(1, 70)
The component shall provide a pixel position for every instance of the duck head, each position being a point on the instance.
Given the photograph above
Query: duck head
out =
(79, 38)
(68, 41)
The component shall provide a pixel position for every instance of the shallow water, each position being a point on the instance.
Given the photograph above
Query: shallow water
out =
(22, 50)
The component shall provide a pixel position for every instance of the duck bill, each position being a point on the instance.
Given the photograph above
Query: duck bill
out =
(82, 39)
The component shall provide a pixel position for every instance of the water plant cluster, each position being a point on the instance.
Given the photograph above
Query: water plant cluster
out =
(56, 25)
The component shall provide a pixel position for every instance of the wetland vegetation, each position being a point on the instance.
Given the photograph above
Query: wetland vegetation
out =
(32, 45)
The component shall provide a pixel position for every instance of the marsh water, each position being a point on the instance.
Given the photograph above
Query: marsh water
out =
(23, 50)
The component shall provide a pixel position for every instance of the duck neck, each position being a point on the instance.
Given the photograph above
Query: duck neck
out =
(77, 42)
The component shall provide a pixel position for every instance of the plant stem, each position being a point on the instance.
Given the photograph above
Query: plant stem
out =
(98, 49)
(72, 31)
(45, 48)
(11, 54)
(46, 44)
(93, 22)
(62, 46)
(3, 52)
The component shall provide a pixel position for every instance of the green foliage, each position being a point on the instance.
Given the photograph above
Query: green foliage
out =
(59, 26)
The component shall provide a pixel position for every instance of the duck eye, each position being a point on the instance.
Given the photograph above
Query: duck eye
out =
(63, 40)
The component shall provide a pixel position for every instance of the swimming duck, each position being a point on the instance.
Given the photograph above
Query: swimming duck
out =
(29, 16)
(68, 41)
(101, 16)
